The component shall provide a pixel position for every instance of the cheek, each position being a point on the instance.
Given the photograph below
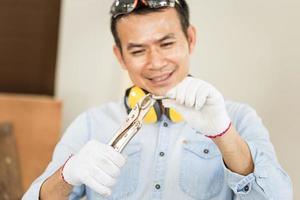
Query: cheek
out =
(134, 70)
(180, 53)
(134, 64)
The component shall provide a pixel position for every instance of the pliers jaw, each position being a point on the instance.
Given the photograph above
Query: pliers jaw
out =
(133, 122)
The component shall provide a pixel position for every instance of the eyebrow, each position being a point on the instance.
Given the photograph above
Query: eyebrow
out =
(135, 45)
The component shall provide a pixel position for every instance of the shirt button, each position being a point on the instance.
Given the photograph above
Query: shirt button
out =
(161, 154)
(246, 188)
(157, 186)
(166, 124)
(206, 151)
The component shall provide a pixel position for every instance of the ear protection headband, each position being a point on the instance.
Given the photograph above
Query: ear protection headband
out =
(134, 94)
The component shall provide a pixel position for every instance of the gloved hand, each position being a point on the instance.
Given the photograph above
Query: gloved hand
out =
(96, 165)
(201, 105)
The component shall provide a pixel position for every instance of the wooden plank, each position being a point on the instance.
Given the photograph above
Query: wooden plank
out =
(10, 175)
(36, 121)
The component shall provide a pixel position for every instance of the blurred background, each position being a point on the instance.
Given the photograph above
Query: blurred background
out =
(56, 61)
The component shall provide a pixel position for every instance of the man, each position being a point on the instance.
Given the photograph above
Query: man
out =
(221, 150)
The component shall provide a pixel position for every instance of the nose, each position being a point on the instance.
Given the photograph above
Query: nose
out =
(156, 59)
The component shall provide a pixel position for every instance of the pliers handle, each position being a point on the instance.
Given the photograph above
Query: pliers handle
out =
(133, 122)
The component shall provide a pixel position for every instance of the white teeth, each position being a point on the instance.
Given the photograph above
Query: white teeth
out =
(161, 78)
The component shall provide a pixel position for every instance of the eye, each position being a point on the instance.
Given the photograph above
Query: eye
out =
(137, 52)
(167, 44)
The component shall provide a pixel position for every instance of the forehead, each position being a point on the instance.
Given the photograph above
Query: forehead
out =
(148, 27)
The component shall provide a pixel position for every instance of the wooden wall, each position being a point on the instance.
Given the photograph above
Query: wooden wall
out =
(28, 45)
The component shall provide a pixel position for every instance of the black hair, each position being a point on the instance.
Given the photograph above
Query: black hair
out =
(181, 8)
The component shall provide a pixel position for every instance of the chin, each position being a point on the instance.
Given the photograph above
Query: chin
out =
(159, 91)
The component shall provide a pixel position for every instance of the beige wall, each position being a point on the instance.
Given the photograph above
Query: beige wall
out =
(248, 49)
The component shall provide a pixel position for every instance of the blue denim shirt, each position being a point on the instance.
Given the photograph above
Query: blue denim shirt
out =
(171, 161)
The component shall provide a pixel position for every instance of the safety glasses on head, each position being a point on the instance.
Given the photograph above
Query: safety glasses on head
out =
(121, 7)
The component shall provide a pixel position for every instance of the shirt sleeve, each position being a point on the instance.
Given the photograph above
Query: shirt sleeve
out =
(71, 142)
(269, 180)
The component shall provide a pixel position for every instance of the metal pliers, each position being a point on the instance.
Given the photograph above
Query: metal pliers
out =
(133, 122)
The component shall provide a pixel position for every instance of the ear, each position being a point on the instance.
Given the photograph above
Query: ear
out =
(191, 33)
(119, 55)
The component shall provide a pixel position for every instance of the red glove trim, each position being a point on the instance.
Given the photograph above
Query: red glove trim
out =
(62, 168)
(219, 135)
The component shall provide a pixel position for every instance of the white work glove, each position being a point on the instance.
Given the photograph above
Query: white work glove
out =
(96, 165)
(201, 105)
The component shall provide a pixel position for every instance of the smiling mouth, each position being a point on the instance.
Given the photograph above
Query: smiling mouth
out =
(160, 79)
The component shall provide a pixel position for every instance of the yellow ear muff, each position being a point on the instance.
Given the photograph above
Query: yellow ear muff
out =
(134, 96)
(173, 115)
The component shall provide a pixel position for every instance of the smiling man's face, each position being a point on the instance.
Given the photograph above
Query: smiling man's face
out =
(155, 51)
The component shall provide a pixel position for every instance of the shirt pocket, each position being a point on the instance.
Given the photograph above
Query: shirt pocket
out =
(201, 172)
(128, 180)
